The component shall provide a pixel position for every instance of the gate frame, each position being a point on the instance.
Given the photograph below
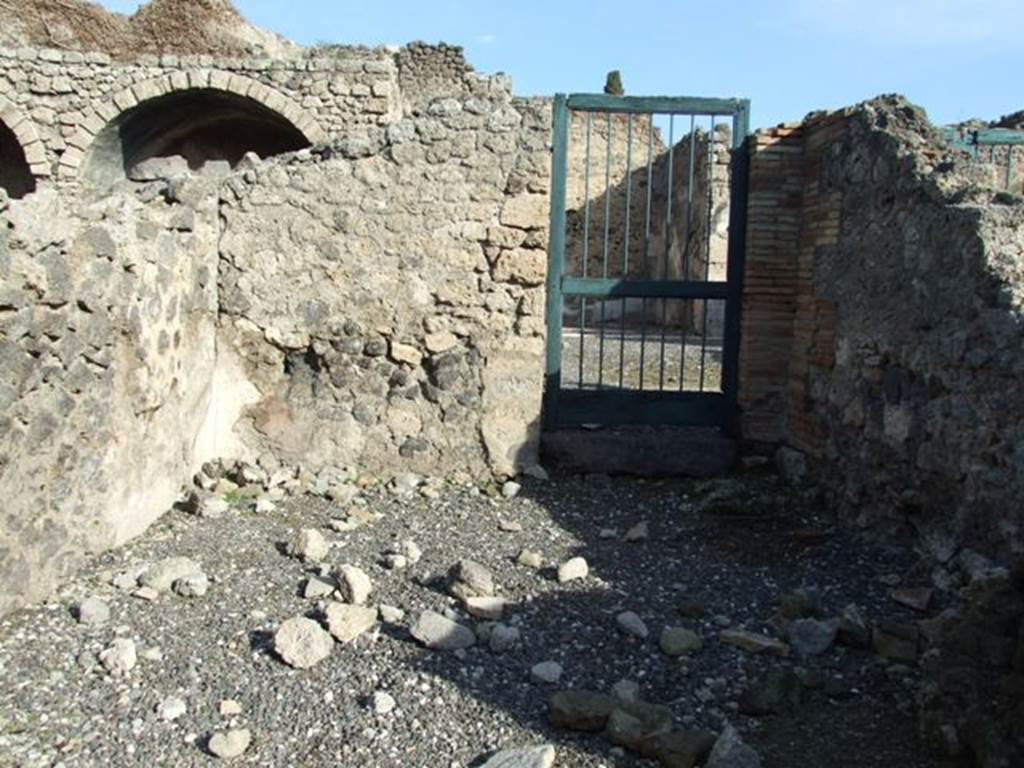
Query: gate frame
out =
(710, 409)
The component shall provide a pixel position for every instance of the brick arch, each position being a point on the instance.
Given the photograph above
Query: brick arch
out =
(25, 132)
(138, 94)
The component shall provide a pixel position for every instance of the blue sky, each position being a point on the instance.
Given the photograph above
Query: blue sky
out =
(953, 57)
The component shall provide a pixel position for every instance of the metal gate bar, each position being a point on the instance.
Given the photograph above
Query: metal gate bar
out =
(589, 289)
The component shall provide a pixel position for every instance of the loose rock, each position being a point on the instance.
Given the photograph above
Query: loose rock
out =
(573, 569)
(811, 637)
(171, 708)
(679, 641)
(731, 752)
(547, 672)
(753, 642)
(530, 757)
(581, 710)
(469, 578)
(347, 622)
(530, 559)
(302, 643)
(441, 634)
(119, 658)
(354, 585)
(489, 608)
(639, 532)
(161, 577)
(632, 624)
(308, 545)
(383, 703)
(230, 744)
(92, 612)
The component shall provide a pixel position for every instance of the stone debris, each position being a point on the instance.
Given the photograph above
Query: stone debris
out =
(230, 708)
(529, 558)
(731, 751)
(347, 622)
(753, 642)
(896, 641)
(92, 612)
(489, 608)
(308, 545)
(510, 526)
(354, 586)
(119, 658)
(853, 628)
(547, 672)
(317, 587)
(918, 598)
(193, 585)
(302, 643)
(581, 710)
(639, 532)
(469, 578)
(811, 637)
(778, 689)
(504, 638)
(573, 570)
(230, 744)
(631, 624)
(389, 614)
(527, 757)
(146, 593)
(213, 507)
(171, 708)
(383, 703)
(679, 641)
(511, 489)
(440, 633)
(162, 575)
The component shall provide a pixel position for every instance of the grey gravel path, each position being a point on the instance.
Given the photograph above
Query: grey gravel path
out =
(59, 707)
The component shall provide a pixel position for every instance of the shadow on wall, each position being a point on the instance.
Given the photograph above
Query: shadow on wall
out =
(15, 176)
(201, 125)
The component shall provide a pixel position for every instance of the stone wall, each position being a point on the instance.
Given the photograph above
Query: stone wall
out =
(387, 300)
(107, 316)
(892, 283)
(372, 300)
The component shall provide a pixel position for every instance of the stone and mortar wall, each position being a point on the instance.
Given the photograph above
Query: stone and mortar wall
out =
(107, 317)
(387, 301)
(891, 287)
(884, 348)
(376, 301)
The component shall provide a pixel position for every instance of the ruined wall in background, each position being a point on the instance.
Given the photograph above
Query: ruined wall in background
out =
(107, 316)
(387, 301)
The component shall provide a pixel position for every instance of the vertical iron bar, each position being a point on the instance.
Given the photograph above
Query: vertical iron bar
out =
(668, 245)
(586, 244)
(556, 258)
(607, 231)
(647, 240)
(687, 250)
(625, 256)
(707, 244)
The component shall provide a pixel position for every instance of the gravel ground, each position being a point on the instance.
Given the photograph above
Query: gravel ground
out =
(628, 350)
(736, 557)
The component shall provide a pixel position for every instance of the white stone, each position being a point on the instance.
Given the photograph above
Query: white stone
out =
(119, 658)
(489, 608)
(383, 703)
(162, 576)
(347, 622)
(441, 341)
(730, 751)
(230, 708)
(230, 744)
(511, 489)
(354, 585)
(440, 633)
(302, 643)
(547, 672)
(194, 585)
(389, 614)
(213, 507)
(573, 569)
(93, 612)
(309, 545)
(530, 559)
(317, 587)
(171, 708)
(527, 757)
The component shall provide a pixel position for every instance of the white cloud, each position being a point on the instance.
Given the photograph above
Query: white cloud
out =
(918, 22)
(486, 39)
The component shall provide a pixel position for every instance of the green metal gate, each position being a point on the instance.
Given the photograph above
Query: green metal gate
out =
(648, 212)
